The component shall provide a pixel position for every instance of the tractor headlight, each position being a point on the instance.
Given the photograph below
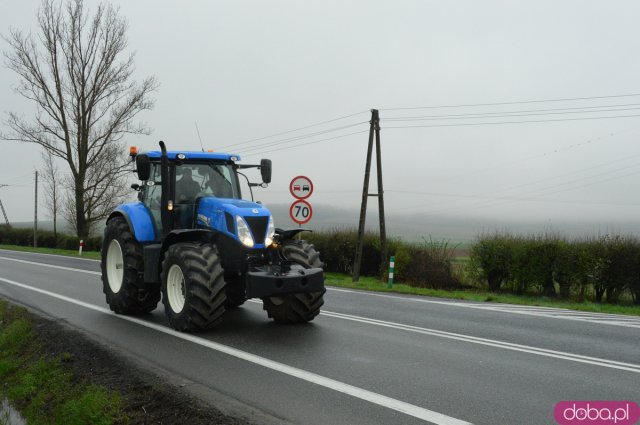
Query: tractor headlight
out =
(271, 230)
(244, 234)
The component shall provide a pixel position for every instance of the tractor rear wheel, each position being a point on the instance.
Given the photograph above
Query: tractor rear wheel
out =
(296, 308)
(193, 287)
(123, 271)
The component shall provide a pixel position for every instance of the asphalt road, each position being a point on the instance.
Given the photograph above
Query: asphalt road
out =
(367, 359)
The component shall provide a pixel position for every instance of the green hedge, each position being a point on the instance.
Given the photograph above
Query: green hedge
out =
(46, 239)
(549, 265)
(427, 264)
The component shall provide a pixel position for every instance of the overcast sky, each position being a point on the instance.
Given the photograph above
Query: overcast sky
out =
(247, 70)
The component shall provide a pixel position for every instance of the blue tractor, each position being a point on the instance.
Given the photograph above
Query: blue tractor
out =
(191, 240)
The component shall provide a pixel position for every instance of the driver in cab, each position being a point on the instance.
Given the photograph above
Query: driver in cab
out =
(186, 188)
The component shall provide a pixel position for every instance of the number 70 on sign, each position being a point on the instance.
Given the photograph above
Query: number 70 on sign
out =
(300, 211)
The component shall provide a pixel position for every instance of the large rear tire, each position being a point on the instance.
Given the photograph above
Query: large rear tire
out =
(123, 271)
(193, 287)
(296, 308)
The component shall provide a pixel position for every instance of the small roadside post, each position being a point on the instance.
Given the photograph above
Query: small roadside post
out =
(392, 264)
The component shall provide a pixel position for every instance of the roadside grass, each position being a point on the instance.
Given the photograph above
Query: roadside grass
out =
(373, 284)
(94, 255)
(475, 294)
(39, 387)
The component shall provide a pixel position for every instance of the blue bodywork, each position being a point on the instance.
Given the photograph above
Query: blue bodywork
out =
(139, 219)
(210, 215)
(214, 156)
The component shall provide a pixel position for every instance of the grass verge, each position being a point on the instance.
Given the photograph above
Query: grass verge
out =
(40, 387)
(373, 284)
(94, 255)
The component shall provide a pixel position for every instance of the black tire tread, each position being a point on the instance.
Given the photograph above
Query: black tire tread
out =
(204, 278)
(134, 297)
(297, 308)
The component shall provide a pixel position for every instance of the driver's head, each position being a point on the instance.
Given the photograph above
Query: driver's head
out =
(186, 173)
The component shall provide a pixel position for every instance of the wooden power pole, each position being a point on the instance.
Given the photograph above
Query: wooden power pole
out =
(35, 217)
(373, 130)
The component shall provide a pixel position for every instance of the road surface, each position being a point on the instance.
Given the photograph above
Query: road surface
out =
(367, 359)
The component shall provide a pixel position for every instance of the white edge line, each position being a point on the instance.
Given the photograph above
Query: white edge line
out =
(53, 266)
(379, 399)
(500, 309)
(493, 343)
(51, 255)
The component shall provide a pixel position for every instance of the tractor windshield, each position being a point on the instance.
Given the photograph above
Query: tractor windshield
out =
(208, 179)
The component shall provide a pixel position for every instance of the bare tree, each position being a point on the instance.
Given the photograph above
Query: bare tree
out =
(77, 74)
(51, 179)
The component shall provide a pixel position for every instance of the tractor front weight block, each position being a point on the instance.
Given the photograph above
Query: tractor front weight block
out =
(261, 284)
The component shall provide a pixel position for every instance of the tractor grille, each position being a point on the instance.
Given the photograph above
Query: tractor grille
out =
(258, 226)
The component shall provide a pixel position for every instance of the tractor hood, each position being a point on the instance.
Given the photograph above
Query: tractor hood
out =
(227, 215)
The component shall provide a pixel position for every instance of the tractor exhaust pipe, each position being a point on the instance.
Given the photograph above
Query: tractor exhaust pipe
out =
(165, 214)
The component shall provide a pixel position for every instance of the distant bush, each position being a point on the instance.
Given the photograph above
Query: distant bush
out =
(426, 264)
(46, 239)
(548, 265)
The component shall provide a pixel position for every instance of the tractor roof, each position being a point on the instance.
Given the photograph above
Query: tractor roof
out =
(196, 155)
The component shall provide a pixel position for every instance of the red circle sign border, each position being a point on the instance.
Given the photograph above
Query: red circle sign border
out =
(310, 211)
(291, 187)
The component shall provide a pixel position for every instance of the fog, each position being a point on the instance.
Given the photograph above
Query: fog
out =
(522, 156)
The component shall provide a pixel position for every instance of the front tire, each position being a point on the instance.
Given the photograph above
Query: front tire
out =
(193, 287)
(297, 308)
(123, 271)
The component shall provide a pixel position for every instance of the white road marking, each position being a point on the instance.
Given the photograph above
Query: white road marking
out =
(52, 255)
(596, 361)
(375, 398)
(547, 312)
(50, 265)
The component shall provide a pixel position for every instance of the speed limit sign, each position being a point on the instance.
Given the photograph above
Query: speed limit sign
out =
(300, 211)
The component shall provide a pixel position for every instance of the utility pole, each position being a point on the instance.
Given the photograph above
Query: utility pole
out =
(4, 213)
(374, 129)
(35, 217)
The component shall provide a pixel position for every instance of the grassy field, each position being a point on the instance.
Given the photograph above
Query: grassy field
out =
(372, 284)
(40, 387)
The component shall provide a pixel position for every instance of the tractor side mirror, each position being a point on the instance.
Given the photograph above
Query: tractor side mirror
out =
(265, 170)
(143, 165)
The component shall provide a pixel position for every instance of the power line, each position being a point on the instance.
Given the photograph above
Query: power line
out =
(292, 131)
(309, 143)
(511, 122)
(556, 111)
(301, 137)
(520, 102)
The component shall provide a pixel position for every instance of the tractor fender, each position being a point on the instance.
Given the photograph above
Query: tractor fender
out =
(139, 220)
(284, 235)
(186, 235)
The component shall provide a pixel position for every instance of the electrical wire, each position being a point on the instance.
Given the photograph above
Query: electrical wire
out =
(511, 122)
(302, 137)
(309, 143)
(538, 112)
(292, 131)
(520, 102)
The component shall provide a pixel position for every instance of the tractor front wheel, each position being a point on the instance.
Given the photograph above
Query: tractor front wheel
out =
(123, 271)
(296, 308)
(193, 287)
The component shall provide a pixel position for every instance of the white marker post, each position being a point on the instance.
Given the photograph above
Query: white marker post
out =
(80, 249)
(392, 265)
